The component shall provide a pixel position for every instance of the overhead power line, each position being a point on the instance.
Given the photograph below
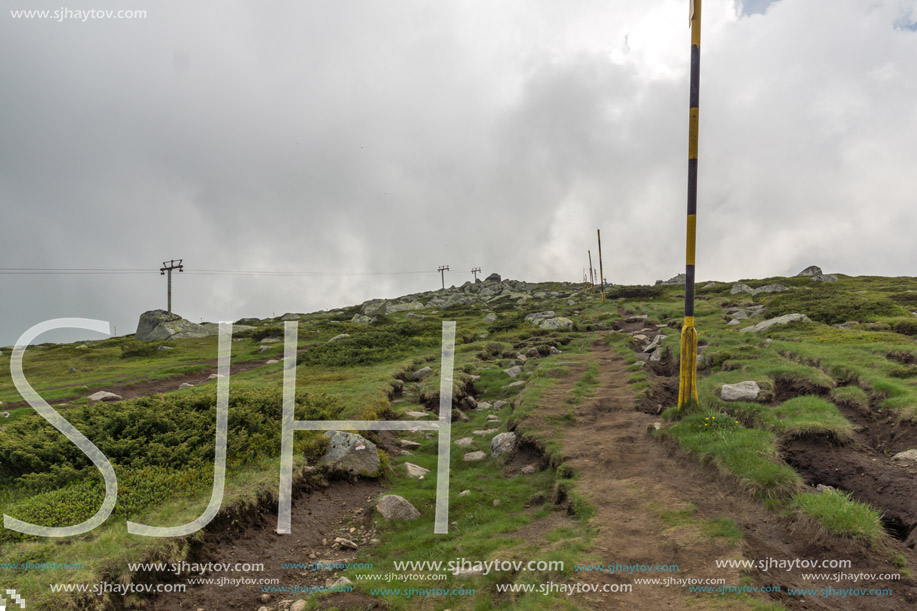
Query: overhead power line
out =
(25, 271)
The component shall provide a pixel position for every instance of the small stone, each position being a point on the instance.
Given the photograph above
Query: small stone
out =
(337, 337)
(341, 583)
(496, 502)
(474, 456)
(185, 385)
(484, 433)
(528, 470)
(464, 442)
(265, 598)
(464, 492)
(271, 362)
(345, 543)
(416, 414)
(513, 372)
(299, 605)
(407, 443)
(499, 404)
(263, 349)
(104, 396)
(214, 376)
(415, 470)
(484, 405)
(554, 350)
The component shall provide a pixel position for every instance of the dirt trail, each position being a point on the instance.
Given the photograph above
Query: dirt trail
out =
(630, 478)
(316, 519)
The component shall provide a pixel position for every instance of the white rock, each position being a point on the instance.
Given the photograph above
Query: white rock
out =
(103, 395)
(415, 470)
(474, 456)
(779, 320)
(464, 442)
(743, 391)
(908, 458)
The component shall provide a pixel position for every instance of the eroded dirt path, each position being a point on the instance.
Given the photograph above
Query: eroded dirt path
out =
(632, 480)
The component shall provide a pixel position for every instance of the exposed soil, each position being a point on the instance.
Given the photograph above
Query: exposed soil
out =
(629, 478)
(868, 475)
(317, 518)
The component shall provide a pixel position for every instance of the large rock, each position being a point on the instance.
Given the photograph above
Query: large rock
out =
(679, 279)
(504, 443)
(394, 507)
(769, 288)
(556, 323)
(786, 319)
(812, 270)
(422, 373)
(513, 372)
(490, 317)
(537, 317)
(157, 325)
(351, 453)
(824, 278)
(404, 307)
(104, 395)
(494, 277)
(743, 391)
(738, 287)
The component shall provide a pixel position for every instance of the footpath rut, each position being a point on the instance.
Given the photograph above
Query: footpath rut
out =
(631, 480)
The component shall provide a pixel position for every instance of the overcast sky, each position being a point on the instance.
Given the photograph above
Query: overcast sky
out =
(397, 136)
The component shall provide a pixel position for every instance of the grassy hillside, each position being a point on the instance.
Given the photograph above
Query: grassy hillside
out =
(852, 364)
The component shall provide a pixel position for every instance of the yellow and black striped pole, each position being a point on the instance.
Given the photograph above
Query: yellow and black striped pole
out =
(687, 387)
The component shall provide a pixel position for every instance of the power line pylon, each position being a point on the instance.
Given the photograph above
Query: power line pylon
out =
(475, 271)
(166, 269)
(442, 272)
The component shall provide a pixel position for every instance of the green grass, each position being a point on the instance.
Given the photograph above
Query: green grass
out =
(840, 515)
(747, 453)
(806, 415)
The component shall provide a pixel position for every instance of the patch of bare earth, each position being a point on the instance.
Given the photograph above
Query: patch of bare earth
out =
(630, 478)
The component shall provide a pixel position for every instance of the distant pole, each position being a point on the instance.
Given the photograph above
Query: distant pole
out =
(591, 274)
(442, 272)
(475, 271)
(687, 387)
(166, 269)
(601, 272)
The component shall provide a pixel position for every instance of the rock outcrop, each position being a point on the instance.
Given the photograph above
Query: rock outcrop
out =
(160, 325)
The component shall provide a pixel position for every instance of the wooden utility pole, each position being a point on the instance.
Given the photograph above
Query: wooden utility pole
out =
(687, 381)
(166, 269)
(601, 271)
(442, 272)
(591, 274)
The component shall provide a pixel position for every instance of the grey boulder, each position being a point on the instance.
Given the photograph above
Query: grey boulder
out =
(351, 453)
(786, 319)
(743, 391)
(504, 443)
(394, 507)
(157, 325)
